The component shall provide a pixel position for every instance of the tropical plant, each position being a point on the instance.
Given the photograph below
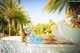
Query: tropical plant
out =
(8, 7)
(21, 19)
(51, 22)
(71, 7)
(41, 29)
(15, 16)
(3, 23)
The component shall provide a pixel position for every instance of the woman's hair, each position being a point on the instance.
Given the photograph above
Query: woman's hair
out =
(27, 33)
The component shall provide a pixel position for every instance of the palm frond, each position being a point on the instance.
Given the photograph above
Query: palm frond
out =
(53, 5)
(2, 9)
(57, 5)
(19, 1)
(49, 5)
(2, 5)
(11, 3)
(61, 7)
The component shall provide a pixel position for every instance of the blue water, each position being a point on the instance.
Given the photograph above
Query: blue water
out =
(33, 38)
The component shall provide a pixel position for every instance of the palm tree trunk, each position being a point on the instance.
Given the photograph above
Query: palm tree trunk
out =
(75, 9)
(10, 27)
(3, 33)
(75, 18)
(16, 30)
(15, 27)
(22, 33)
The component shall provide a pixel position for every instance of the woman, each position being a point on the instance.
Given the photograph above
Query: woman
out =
(30, 38)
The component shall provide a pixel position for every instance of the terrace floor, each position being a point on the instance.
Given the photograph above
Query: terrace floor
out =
(14, 45)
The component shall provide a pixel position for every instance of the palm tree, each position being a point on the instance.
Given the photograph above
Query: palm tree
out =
(8, 7)
(3, 22)
(22, 19)
(72, 7)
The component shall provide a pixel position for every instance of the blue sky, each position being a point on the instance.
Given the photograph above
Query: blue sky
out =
(35, 11)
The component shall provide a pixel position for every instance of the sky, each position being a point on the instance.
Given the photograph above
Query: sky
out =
(36, 13)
